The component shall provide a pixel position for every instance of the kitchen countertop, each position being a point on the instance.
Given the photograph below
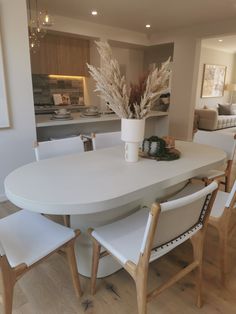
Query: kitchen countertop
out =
(44, 120)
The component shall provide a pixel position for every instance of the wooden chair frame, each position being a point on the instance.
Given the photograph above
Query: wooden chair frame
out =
(139, 272)
(11, 275)
(222, 225)
(226, 175)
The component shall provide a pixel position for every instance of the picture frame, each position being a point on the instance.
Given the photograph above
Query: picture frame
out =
(213, 81)
(4, 114)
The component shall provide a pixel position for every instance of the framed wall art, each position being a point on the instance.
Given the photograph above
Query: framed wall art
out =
(4, 116)
(213, 80)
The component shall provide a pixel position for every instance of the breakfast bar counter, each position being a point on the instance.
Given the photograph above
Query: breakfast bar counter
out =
(44, 120)
(156, 123)
(98, 187)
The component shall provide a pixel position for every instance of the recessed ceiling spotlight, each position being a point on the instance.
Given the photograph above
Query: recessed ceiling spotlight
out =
(220, 40)
(148, 25)
(94, 12)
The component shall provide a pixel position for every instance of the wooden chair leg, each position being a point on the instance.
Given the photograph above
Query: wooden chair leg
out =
(141, 288)
(73, 268)
(223, 253)
(95, 261)
(227, 183)
(197, 242)
(9, 281)
(66, 219)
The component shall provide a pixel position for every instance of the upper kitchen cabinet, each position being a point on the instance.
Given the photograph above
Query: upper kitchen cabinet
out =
(62, 55)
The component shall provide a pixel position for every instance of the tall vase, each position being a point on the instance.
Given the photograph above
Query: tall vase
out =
(132, 133)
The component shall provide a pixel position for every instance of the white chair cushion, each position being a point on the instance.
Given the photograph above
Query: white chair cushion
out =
(124, 238)
(26, 237)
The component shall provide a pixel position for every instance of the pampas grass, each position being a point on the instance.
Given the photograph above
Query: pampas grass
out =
(128, 103)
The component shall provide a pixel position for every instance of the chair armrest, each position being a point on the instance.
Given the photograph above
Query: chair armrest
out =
(207, 119)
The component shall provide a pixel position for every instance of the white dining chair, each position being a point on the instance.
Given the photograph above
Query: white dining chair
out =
(146, 235)
(224, 141)
(59, 147)
(103, 140)
(221, 218)
(27, 238)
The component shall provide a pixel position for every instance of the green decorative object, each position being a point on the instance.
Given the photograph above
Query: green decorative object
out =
(155, 147)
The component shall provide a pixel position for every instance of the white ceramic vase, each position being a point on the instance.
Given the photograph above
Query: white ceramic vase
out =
(132, 133)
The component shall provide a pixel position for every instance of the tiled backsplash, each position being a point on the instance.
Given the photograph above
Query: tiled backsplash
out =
(45, 86)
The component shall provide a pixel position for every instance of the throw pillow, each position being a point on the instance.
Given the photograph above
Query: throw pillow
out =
(225, 110)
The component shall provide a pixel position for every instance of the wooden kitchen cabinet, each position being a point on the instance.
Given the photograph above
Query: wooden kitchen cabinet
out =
(62, 55)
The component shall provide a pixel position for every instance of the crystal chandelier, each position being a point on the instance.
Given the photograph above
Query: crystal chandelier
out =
(38, 23)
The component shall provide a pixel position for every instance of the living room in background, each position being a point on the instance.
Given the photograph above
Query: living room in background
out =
(4, 117)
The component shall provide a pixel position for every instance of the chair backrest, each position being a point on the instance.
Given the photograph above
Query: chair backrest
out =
(232, 197)
(225, 141)
(103, 140)
(179, 219)
(53, 148)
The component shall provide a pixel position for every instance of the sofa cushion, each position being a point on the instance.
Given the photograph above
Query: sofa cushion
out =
(225, 110)
(226, 121)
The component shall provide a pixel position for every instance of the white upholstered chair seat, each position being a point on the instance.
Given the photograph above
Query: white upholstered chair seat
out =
(26, 237)
(123, 238)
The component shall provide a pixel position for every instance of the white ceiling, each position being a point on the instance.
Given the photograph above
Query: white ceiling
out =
(228, 43)
(134, 14)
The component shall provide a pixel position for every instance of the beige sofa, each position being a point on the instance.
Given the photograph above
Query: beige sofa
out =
(209, 119)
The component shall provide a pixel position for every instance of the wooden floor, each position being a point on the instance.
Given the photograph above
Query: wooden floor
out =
(47, 289)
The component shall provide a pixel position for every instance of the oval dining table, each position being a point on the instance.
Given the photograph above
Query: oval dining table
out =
(98, 187)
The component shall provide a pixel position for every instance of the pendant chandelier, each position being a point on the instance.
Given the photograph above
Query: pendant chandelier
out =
(38, 23)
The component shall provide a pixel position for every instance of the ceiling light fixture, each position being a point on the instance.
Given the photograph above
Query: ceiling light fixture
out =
(148, 25)
(220, 40)
(94, 13)
(38, 20)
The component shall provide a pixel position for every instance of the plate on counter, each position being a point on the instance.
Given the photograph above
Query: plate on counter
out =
(61, 118)
(90, 115)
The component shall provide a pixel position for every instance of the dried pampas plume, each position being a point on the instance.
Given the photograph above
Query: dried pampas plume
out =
(113, 89)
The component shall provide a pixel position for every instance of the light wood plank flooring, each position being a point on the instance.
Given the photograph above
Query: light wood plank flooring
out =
(47, 289)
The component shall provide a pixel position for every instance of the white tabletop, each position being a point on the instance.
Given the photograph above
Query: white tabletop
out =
(99, 180)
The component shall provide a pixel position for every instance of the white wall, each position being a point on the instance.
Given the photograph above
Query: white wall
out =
(130, 60)
(212, 56)
(16, 142)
